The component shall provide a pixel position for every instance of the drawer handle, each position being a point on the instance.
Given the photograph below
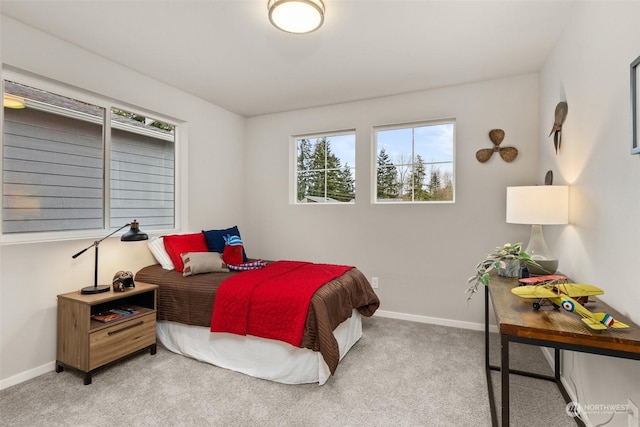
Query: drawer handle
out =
(125, 328)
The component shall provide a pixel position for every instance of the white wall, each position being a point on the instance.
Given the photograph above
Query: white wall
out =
(31, 275)
(589, 68)
(422, 254)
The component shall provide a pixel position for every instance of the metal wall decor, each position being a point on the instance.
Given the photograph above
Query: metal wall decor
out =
(635, 106)
(496, 136)
(560, 116)
(548, 178)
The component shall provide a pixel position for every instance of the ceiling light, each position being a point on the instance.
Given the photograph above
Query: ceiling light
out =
(296, 16)
(12, 101)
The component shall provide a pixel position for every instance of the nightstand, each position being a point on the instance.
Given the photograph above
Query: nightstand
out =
(87, 344)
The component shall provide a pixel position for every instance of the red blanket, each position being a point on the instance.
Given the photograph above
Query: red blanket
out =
(271, 302)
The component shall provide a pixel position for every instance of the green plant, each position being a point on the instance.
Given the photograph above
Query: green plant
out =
(496, 260)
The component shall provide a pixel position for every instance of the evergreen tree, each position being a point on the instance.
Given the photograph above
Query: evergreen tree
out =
(316, 168)
(349, 183)
(434, 182)
(387, 177)
(440, 185)
(304, 159)
(416, 179)
(320, 173)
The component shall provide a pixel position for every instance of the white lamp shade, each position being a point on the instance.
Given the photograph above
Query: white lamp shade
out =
(540, 205)
(296, 16)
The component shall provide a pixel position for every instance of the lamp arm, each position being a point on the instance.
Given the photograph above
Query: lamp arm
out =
(97, 242)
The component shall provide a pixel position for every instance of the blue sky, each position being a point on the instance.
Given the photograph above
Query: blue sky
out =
(432, 142)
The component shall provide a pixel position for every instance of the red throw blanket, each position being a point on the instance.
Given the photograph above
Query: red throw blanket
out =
(271, 302)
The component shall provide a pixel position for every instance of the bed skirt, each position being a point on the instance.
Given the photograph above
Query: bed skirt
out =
(258, 357)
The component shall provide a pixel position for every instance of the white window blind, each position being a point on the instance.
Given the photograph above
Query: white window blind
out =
(142, 176)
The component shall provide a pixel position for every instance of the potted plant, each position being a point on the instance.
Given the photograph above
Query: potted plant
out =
(506, 260)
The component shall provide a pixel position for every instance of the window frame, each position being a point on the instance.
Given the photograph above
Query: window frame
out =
(409, 125)
(107, 103)
(293, 145)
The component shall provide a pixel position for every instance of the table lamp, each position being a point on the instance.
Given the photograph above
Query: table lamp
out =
(539, 205)
(133, 235)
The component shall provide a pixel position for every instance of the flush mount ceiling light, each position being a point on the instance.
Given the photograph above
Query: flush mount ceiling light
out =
(296, 16)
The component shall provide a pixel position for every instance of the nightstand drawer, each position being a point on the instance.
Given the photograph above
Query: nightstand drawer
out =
(121, 339)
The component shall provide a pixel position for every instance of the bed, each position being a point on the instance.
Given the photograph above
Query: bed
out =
(333, 324)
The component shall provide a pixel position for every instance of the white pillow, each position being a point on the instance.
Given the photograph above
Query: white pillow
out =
(156, 246)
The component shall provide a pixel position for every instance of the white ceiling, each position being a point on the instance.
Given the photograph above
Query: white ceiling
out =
(228, 53)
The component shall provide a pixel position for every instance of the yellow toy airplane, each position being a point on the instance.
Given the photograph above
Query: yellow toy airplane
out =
(563, 294)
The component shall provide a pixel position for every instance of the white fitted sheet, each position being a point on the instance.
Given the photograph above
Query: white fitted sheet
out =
(259, 357)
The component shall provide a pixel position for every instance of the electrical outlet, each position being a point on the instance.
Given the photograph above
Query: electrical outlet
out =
(374, 282)
(633, 415)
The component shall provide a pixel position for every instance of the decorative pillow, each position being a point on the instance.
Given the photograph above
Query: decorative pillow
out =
(177, 244)
(156, 246)
(232, 253)
(215, 239)
(251, 265)
(202, 262)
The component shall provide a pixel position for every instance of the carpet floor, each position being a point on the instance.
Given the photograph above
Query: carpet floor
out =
(400, 373)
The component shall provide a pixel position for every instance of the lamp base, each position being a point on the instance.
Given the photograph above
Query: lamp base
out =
(547, 266)
(95, 289)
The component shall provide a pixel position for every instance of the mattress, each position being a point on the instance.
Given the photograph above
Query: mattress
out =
(258, 357)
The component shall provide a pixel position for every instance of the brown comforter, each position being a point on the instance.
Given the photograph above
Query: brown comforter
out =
(189, 300)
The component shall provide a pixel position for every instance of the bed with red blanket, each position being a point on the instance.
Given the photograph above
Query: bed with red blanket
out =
(289, 322)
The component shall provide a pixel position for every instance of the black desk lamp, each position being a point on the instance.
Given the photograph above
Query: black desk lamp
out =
(133, 235)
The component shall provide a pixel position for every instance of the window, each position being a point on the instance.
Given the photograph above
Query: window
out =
(325, 168)
(414, 163)
(70, 165)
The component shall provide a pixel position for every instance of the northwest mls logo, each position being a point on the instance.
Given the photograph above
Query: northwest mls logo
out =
(573, 409)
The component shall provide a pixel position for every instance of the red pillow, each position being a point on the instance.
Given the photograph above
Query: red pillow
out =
(232, 254)
(177, 244)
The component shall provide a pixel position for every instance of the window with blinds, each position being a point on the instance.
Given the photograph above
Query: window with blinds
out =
(142, 170)
(54, 173)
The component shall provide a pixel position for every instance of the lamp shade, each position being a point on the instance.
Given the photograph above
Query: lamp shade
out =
(296, 16)
(134, 234)
(539, 204)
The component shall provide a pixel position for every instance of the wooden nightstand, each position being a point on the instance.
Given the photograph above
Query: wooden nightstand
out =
(86, 344)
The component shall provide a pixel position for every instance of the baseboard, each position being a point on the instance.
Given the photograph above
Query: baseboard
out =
(27, 375)
(548, 354)
(435, 320)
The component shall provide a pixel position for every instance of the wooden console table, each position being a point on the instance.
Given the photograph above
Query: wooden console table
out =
(519, 322)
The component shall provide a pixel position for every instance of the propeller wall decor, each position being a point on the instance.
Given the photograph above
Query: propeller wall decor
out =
(560, 116)
(496, 136)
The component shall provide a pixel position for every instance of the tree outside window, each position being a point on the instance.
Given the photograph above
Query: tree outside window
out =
(325, 168)
(415, 163)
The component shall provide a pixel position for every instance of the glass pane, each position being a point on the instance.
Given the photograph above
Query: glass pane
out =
(325, 169)
(52, 162)
(397, 143)
(415, 164)
(142, 171)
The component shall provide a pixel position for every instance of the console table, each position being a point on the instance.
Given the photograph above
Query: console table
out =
(517, 321)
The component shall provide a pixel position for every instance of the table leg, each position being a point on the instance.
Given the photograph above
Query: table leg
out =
(504, 371)
(486, 327)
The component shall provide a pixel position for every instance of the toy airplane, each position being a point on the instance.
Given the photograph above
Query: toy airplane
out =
(563, 294)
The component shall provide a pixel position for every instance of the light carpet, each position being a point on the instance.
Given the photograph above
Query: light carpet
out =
(400, 373)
